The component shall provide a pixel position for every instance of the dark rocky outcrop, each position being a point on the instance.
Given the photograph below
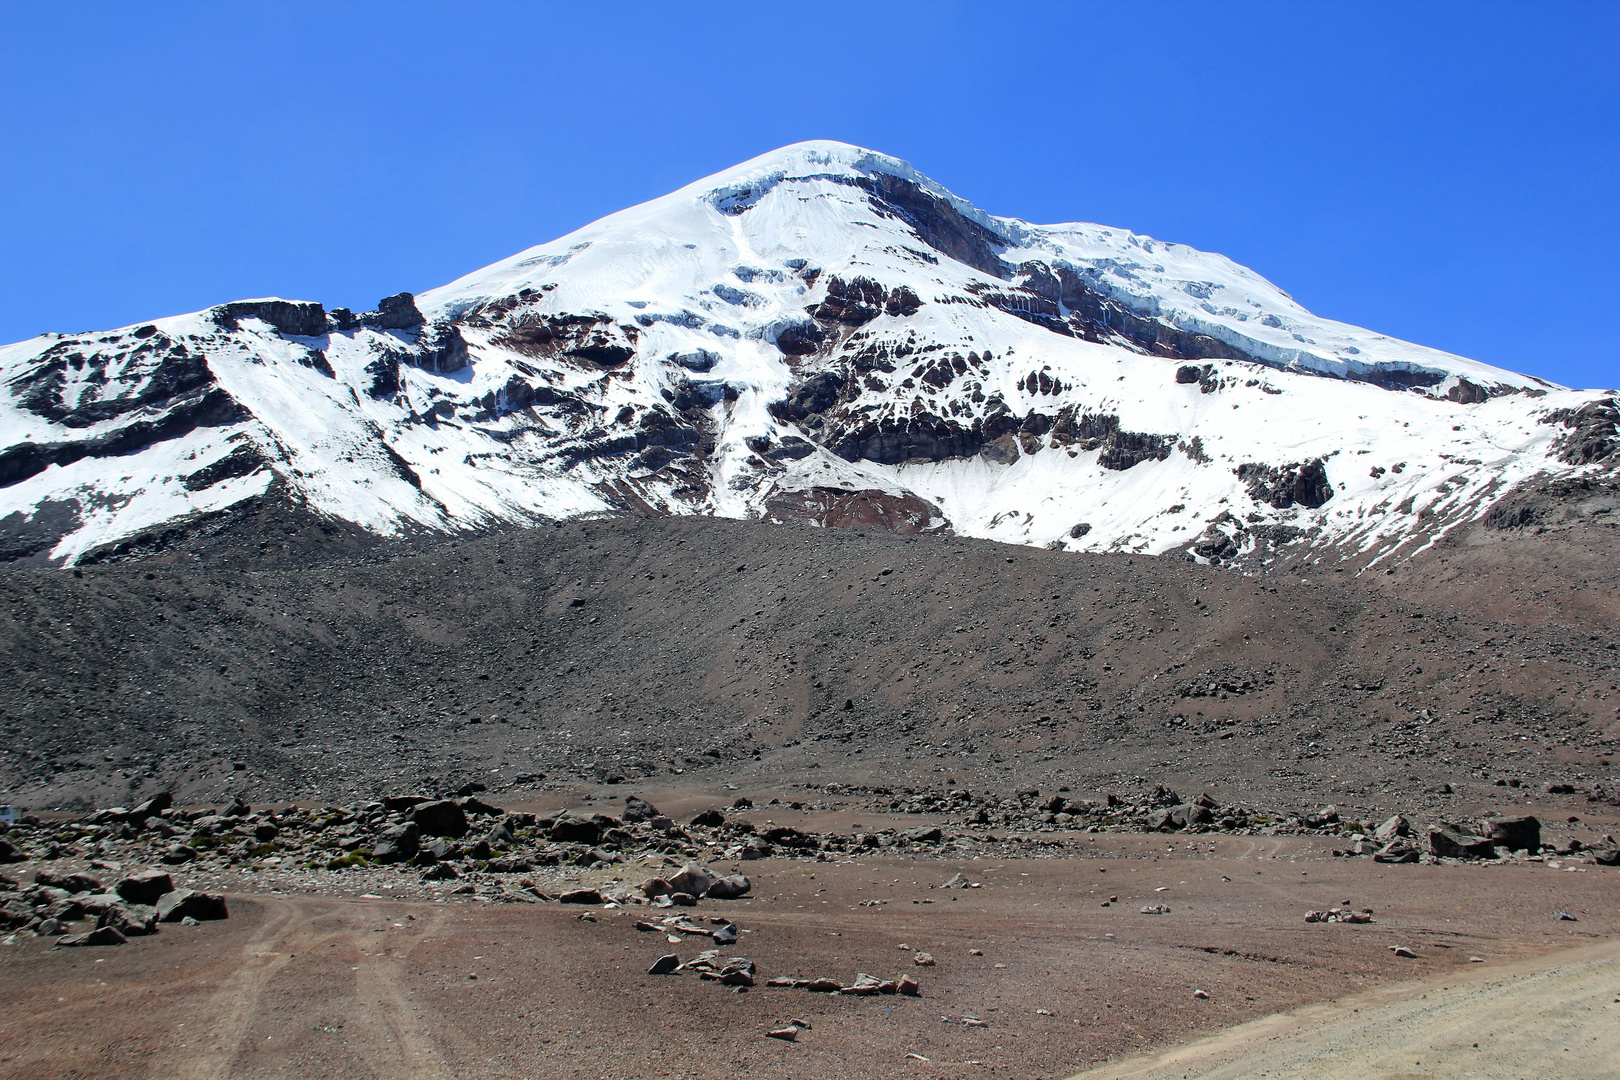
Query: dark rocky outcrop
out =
(1301, 484)
(397, 312)
(242, 461)
(292, 317)
(441, 817)
(211, 409)
(594, 339)
(907, 514)
(1594, 431)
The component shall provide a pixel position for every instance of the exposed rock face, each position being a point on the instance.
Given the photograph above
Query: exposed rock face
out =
(904, 514)
(397, 312)
(1288, 485)
(1593, 431)
(292, 317)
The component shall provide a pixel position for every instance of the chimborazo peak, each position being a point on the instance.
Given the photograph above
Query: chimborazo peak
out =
(821, 334)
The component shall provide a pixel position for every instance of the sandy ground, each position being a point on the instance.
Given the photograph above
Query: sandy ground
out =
(1550, 1016)
(305, 985)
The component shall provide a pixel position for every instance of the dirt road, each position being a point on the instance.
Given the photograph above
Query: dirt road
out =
(1551, 1016)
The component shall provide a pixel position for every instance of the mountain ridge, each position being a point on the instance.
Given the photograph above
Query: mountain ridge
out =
(820, 334)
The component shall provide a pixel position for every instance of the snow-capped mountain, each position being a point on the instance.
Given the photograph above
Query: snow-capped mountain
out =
(820, 334)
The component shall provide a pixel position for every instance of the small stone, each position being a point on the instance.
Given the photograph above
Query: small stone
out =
(823, 986)
(1564, 916)
(908, 986)
(786, 1034)
(923, 959)
(665, 964)
(1201, 995)
(580, 896)
(1402, 950)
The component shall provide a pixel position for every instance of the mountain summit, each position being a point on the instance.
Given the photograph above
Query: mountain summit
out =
(821, 334)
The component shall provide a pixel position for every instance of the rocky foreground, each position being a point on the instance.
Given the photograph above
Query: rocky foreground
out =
(464, 846)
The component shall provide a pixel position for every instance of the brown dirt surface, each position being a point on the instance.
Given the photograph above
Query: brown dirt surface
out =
(321, 985)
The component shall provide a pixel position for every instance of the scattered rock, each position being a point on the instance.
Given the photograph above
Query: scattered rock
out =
(1393, 829)
(176, 905)
(1402, 950)
(144, 886)
(1517, 834)
(692, 879)
(580, 896)
(923, 959)
(1564, 916)
(1448, 842)
(130, 920)
(105, 935)
(786, 1034)
(729, 888)
(637, 809)
(665, 964)
(1156, 909)
(440, 818)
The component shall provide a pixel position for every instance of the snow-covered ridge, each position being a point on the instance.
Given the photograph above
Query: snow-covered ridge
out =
(819, 334)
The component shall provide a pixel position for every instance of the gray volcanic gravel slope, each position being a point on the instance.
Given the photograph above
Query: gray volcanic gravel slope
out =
(771, 655)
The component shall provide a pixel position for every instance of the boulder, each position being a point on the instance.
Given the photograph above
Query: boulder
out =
(1395, 852)
(655, 887)
(500, 835)
(638, 810)
(729, 888)
(1448, 842)
(665, 964)
(130, 920)
(150, 808)
(1517, 834)
(925, 835)
(178, 854)
(572, 829)
(144, 886)
(472, 805)
(1393, 829)
(580, 896)
(396, 803)
(397, 843)
(709, 819)
(105, 935)
(181, 903)
(9, 852)
(69, 883)
(441, 817)
(693, 880)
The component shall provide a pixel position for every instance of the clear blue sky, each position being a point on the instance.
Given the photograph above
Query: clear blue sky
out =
(1447, 173)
